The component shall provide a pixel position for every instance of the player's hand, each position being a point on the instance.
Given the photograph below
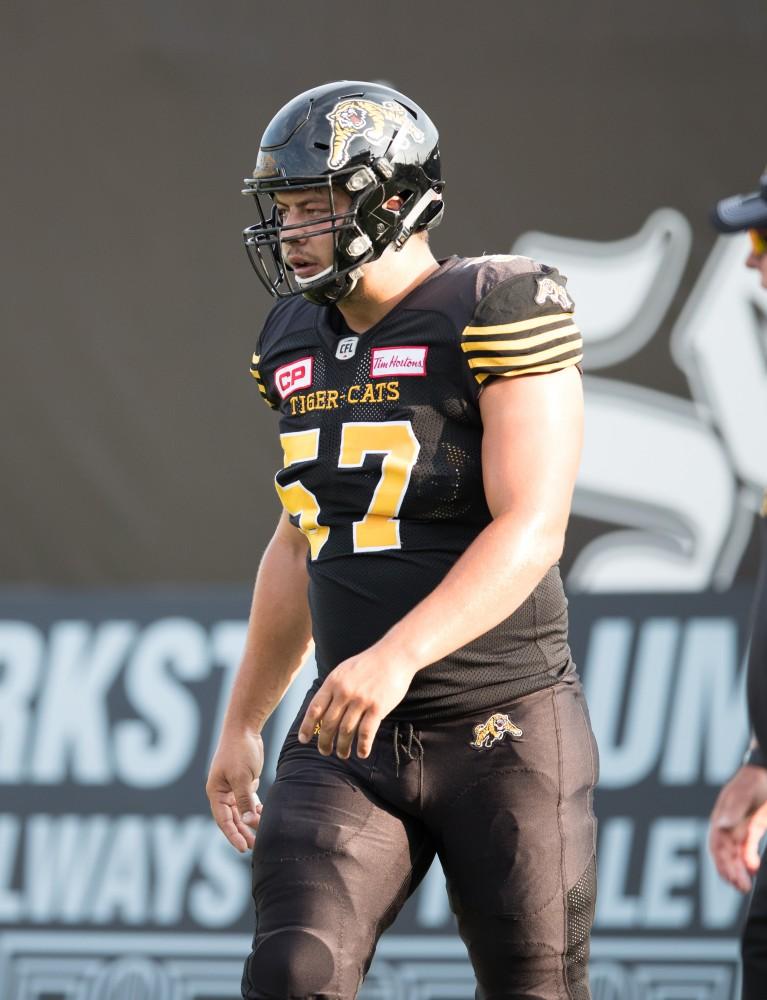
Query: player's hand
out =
(738, 821)
(352, 701)
(231, 787)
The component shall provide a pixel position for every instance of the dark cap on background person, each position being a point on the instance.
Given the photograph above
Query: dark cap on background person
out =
(742, 211)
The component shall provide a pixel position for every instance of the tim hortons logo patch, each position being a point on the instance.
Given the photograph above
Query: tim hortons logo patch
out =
(378, 123)
(550, 290)
(296, 375)
(385, 361)
(492, 731)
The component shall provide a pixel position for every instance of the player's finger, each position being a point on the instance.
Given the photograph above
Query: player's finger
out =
(247, 803)
(250, 810)
(347, 728)
(366, 733)
(733, 868)
(725, 852)
(224, 815)
(242, 828)
(330, 720)
(751, 857)
(718, 848)
(313, 715)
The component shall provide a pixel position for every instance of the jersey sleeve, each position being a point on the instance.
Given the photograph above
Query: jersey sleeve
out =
(522, 326)
(256, 373)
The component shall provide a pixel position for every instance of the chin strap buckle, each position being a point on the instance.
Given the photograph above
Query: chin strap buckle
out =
(413, 217)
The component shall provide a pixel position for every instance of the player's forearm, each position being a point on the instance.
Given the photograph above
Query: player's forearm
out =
(279, 633)
(491, 579)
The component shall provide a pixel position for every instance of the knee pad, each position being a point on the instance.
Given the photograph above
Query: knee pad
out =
(289, 964)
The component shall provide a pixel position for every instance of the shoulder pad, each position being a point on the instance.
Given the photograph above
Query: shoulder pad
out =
(523, 324)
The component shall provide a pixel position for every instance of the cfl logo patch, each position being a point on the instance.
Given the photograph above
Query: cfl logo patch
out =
(296, 375)
(347, 348)
(493, 730)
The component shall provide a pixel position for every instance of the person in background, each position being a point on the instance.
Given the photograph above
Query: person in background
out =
(739, 817)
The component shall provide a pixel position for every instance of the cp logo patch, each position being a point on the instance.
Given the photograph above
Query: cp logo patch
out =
(492, 731)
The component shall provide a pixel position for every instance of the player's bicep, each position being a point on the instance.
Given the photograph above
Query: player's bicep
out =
(532, 434)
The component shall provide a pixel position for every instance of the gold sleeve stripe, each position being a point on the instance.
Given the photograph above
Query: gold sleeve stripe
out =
(520, 345)
(520, 327)
(255, 359)
(526, 360)
(537, 369)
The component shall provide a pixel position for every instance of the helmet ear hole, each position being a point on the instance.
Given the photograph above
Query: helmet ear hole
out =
(396, 202)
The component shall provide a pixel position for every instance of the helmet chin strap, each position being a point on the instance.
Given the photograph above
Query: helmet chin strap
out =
(315, 277)
(333, 291)
(413, 217)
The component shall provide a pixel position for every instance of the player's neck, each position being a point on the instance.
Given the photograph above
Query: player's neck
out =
(386, 282)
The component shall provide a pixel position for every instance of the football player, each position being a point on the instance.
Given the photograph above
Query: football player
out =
(739, 817)
(430, 416)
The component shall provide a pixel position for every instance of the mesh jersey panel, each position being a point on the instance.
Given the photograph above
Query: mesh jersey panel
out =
(384, 474)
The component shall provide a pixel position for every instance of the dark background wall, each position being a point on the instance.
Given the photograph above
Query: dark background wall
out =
(134, 447)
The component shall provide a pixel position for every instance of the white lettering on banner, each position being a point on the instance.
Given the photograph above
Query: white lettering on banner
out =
(126, 870)
(220, 898)
(10, 902)
(149, 756)
(677, 877)
(121, 891)
(62, 857)
(21, 656)
(708, 722)
(615, 908)
(56, 722)
(72, 719)
(397, 361)
(629, 756)
(179, 843)
(684, 691)
(684, 524)
(227, 641)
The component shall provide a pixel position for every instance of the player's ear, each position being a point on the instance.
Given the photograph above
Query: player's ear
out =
(395, 203)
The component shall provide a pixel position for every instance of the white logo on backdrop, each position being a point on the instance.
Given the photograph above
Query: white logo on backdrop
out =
(681, 478)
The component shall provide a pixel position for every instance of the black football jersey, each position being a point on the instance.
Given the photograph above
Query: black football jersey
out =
(382, 472)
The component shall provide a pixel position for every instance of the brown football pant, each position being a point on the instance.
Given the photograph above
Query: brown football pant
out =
(342, 844)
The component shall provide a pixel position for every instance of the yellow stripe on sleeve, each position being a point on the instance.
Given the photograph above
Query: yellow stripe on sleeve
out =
(526, 361)
(520, 327)
(521, 345)
(537, 370)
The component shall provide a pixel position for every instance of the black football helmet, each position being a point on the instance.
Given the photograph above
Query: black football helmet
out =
(366, 139)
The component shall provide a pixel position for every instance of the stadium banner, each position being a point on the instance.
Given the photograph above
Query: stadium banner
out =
(115, 882)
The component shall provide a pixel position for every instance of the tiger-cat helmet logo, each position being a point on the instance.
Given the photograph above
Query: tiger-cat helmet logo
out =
(356, 117)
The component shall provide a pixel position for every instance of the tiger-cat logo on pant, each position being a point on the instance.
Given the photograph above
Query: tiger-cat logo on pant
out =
(490, 732)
